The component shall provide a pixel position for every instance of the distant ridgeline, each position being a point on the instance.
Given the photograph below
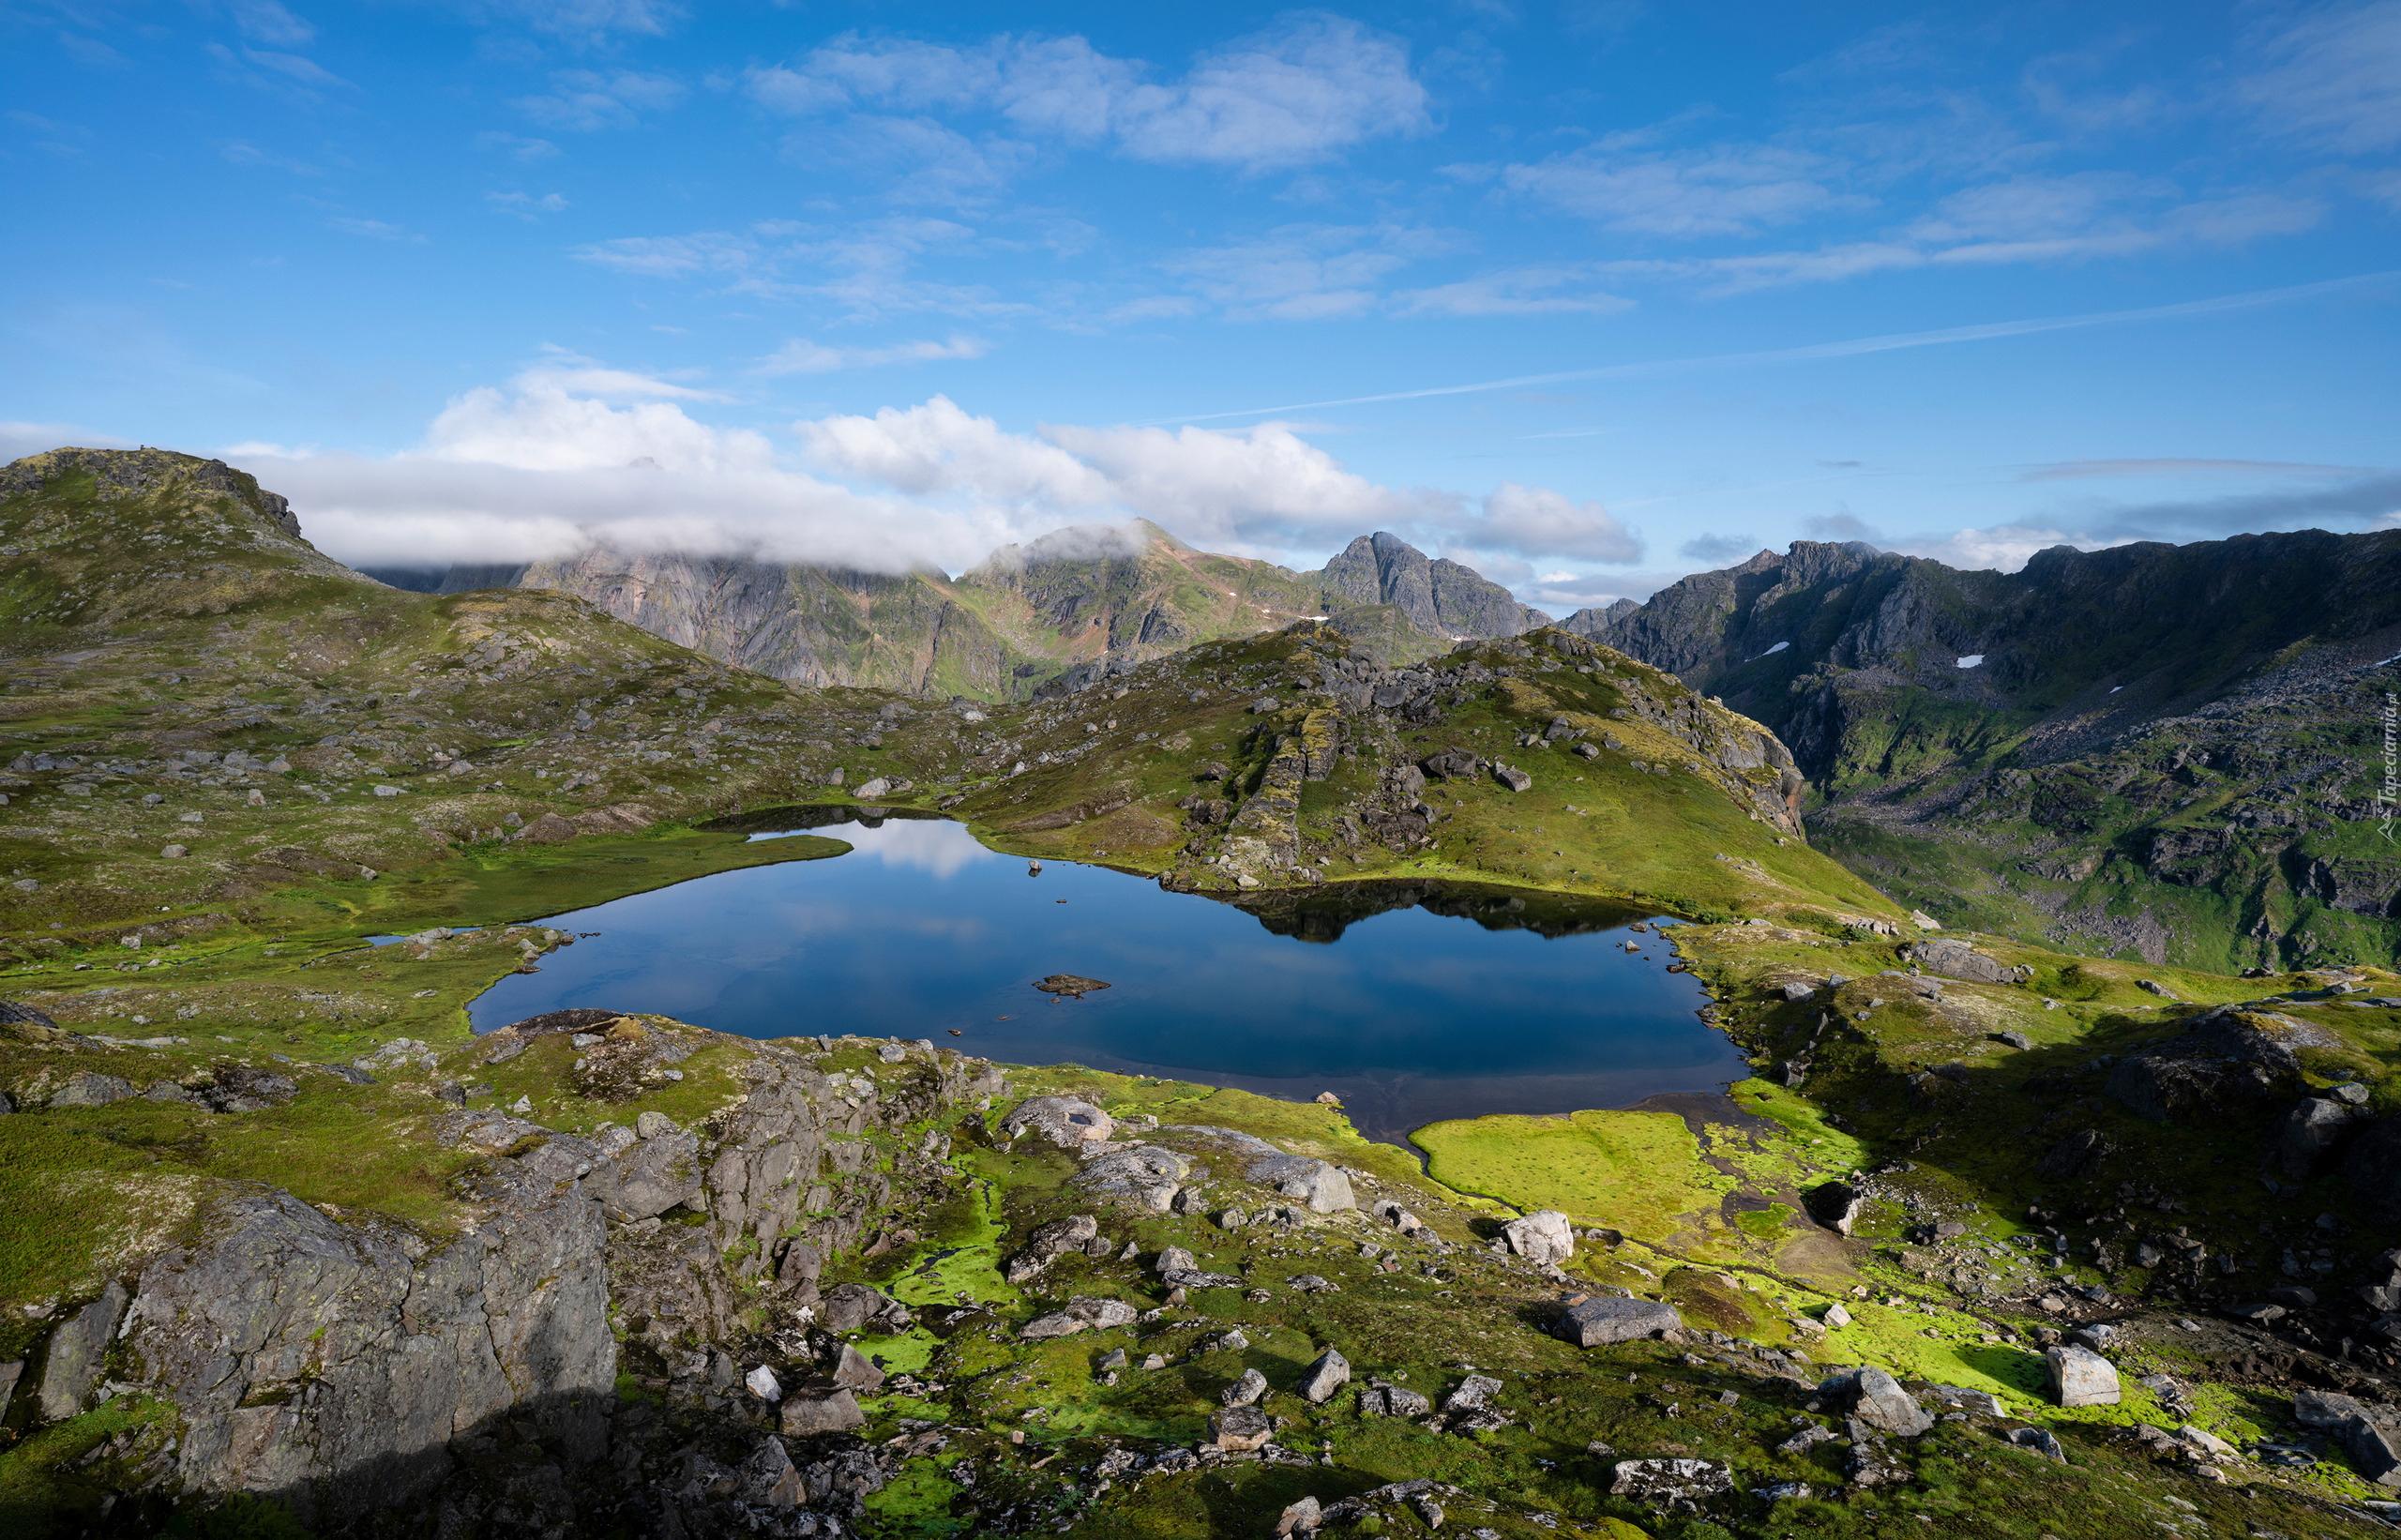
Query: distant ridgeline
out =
(1058, 612)
(2171, 751)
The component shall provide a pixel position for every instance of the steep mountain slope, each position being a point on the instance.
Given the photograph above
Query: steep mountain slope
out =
(1067, 607)
(2173, 751)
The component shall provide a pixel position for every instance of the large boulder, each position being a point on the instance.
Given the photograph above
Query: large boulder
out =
(75, 1347)
(1598, 1321)
(1241, 1427)
(2080, 1376)
(853, 1306)
(2314, 1126)
(2223, 1060)
(1954, 959)
(1068, 1121)
(1050, 1241)
(1662, 1481)
(1079, 1315)
(820, 1408)
(2371, 1449)
(1544, 1236)
(657, 1173)
(1148, 1176)
(1836, 1205)
(1876, 1399)
(1330, 1373)
(86, 1088)
(1317, 1184)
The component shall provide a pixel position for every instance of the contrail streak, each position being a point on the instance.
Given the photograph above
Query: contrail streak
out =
(1892, 344)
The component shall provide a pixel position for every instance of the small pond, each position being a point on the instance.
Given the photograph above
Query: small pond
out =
(1411, 1002)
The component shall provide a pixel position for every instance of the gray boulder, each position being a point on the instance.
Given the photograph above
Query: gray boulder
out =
(2371, 1449)
(1545, 1236)
(1067, 1122)
(1330, 1373)
(1876, 1399)
(820, 1408)
(1836, 1205)
(2080, 1376)
(2324, 1408)
(1954, 959)
(1662, 1481)
(1148, 1176)
(1606, 1318)
(1241, 1427)
(85, 1088)
(1050, 1242)
(76, 1348)
(1317, 1184)
(854, 1306)
(2314, 1126)
(855, 1371)
(1079, 1315)
(657, 1173)
(1245, 1390)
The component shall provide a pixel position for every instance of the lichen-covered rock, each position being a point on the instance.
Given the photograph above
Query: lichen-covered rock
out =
(1661, 1482)
(853, 1306)
(1069, 1123)
(657, 1174)
(1545, 1236)
(1330, 1373)
(1241, 1427)
(1079, 1314)
(1147, 1176)
(1050, 1241)
(73, 1366)
(1954, 959)
(332, 1365)
(86, 1088)
(2080, 1376)
(1876, 1399)
(813, 1409)
(1606, 1318)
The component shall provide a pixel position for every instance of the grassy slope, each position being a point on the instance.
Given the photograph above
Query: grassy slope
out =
(1709, 1210)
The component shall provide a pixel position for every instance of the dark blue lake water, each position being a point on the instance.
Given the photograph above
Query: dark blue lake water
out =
(1413, 1003)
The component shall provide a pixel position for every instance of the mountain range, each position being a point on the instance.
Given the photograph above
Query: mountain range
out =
(1059, 611)
(2174, 749)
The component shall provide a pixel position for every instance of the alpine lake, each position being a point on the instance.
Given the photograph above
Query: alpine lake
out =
(1413, 1002)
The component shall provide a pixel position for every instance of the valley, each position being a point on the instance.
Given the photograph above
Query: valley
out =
(2011, 1223)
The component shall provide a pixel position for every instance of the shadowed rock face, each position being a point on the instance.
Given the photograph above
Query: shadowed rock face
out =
(1440, 596)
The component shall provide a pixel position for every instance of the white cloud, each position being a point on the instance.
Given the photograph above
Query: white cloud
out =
(524, 205)
(937, 449)
(587, 101)
(802, 356)
(1727, 189)
(2333, 77)
(1565, 289)
(591, 21)
(1301, 92)
(2001, 547)
(1535, 521)
(375, 230)
(265, 22)
(19, 439)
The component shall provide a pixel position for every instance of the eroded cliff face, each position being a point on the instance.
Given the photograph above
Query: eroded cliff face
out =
(344, 1365)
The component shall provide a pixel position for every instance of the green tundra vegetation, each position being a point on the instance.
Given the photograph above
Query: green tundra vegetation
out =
(232, 767)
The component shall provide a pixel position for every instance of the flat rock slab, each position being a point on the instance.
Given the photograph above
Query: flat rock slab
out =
(1068, 983)
(1598, 1321)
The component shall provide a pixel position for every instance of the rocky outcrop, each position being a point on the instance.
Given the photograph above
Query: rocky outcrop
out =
(1953, 959)
(2225, 1059)
(1441, 598)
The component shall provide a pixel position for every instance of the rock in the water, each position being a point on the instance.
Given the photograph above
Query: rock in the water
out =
(1079, 1314)
(75, 1347)
(1050, 1241)
(1068, 983)
(1241, 1427)
(2225, 1060)
(1543, 1236)
(86, 1088)
(1245, 1390)
(1330, 1373)
(1606, 1318)
(1065, 1121)
(1661, 1482)
(2080, 1376)
(821, 1408)
(1954, 959)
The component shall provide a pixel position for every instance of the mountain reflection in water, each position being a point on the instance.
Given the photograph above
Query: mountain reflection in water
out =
(1376, 991)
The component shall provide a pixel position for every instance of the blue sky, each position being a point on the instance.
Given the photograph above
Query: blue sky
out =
(884, 284)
